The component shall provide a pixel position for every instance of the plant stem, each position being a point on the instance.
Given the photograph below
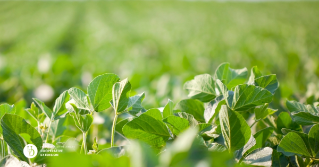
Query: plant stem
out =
(253, 124)
(46, 140)
(310, 163)
(84, 143)
(113, 130)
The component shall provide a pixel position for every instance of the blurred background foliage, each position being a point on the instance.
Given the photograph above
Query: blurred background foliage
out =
(48, 47)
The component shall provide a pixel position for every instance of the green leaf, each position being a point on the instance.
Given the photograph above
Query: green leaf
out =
(192, 106)
(33, 111)
(255, 73)
(268, 82)
(279, 160)
(261, 137)
(192, 121)
(119, 126)
(12, 126)
(57, 129)
(216, 147)
(259, 157)
(241, 153)
(230, 77)
(261, 112)
(235, 130)
(284, 121)
(313, 136)
(148, 129)
(212, 109)
(303, 114)
(83, 122)
(121, 92)
(303, 136)
(59, 109)
(248, 96)
(293, 144)
(155, 113)
(179, 124)
(100, 91)
(46, 110)
(135, 104)
(168, 109)
(80, 98)
(202, 87)
(5, 109)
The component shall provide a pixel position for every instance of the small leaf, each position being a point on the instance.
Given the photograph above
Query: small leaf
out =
(119, 126)
(80, 98)
(230, 77)
(100, 91)
(121, 91)
(33, 111)
(303, 114)
(259, 157)
(314, 140)
(293, 144)
(248, 96)
(268, 82)
(59, 109)
(46, 110)
(212, 109)
(148, 129)
(284, 121)
(135, 104)
(83, 122)
(168, 109)
(235, 130)
(192, 121)
(261, 138)
(192, 106)
(179, 124)
(12, 126)
(240, 154)
(202, 87)
(216, 147)
(255, 73)
(263, 111)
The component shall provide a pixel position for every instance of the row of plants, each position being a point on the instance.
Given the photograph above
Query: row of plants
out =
(226, 121)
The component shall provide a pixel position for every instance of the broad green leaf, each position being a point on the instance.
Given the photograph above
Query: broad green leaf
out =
(59, 109)
(303, 114)
(12, 126)
(57, 128)
(202, 87)
(179, 124)
(120, 124)
(46, 110)
(261, 138)
(5, 109)
(80, 98)
(222, 89)
(278, 159)
(293, 144)
(135, 104)
(33, 111)
(314, 140)
(235, 130)
(303, 136)
(155, 113)
(100, 91)
(284, 121)
(248, 96)
(168, 109)
(192, 121)
(192, 106)
(121, 92)
(240, 154)
(259, 157)
(212, 109)
(268, 82)
(230, 77)
(148, 129)
(255, 73)
(261, 112)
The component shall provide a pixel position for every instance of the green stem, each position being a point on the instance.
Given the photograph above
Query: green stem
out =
(310, 163)
(113, 130)
(46, 140)
(84, 143)
(253, 124)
